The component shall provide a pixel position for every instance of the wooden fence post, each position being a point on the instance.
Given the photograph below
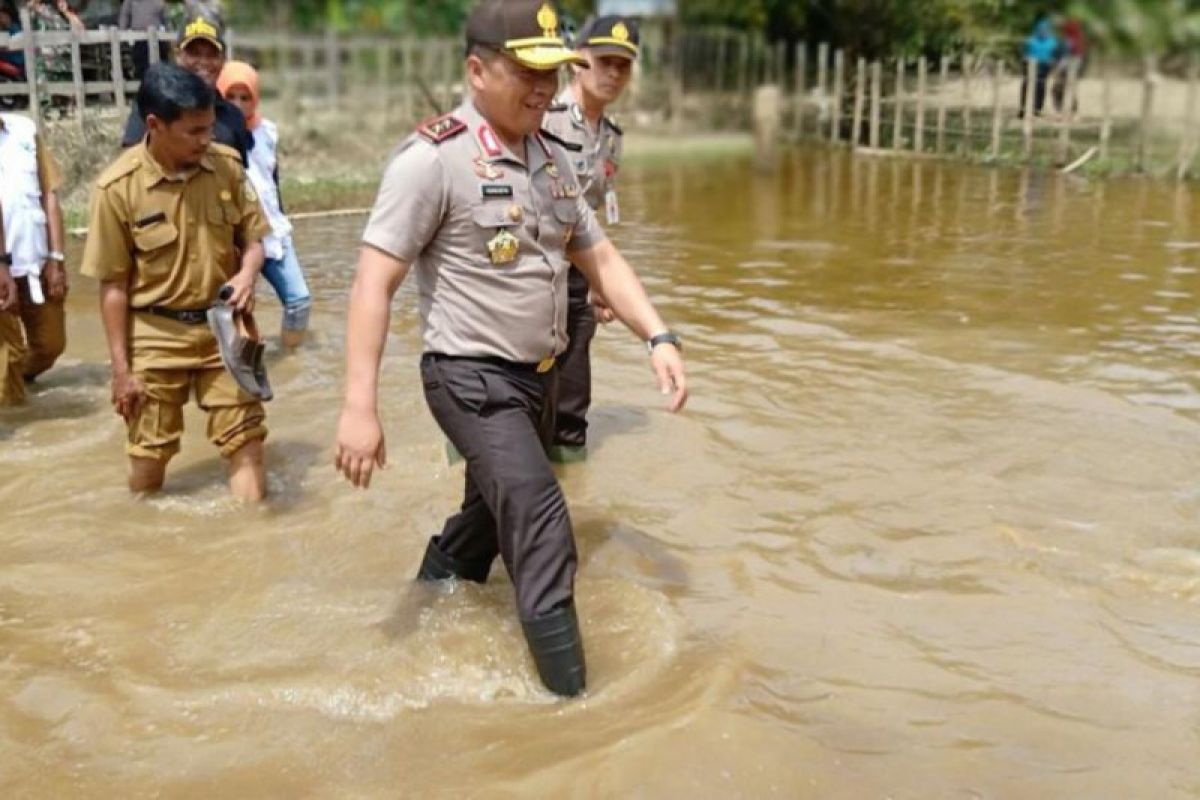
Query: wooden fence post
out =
(919, 133)
(117, 72)
(408, 60)
(898, 124)
(876, 102)
(823, 84)
(966, 111)
(1106, 108)
(800, 88)
(77, 76)
(1147, 118)
(943, 82)
(1064, 133)
(1187, 143)
(333, 65)
(35, 98)
(450, 72)
(997, 106)
(1031, 70)
(860, 89)
(839, 88)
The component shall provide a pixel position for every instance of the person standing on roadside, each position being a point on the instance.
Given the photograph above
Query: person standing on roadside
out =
(143, 15)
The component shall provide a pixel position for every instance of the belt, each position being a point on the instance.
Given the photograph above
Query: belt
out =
(540, 367)
(188, 316)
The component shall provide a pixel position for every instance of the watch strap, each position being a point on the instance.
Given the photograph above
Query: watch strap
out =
(664, 338)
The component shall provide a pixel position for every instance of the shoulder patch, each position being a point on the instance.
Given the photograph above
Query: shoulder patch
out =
(561, 142)
(439, 129)
(126, 164)
(615, 127)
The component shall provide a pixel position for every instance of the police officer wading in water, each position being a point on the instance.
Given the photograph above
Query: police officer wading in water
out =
(487, 211)
(610, 45)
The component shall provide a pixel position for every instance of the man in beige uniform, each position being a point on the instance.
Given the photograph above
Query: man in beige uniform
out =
(610, 44)
(29, 182)
(168, 220)
(485, 209)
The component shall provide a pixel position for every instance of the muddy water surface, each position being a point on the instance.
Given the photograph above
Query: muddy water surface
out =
(929, 529)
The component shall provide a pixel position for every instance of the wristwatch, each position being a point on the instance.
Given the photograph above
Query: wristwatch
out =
(664, 338)
(5, 259)
(54, 255)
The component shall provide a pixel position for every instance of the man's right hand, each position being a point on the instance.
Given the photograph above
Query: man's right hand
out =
(8, 290)
(128, 394)
(360, 446)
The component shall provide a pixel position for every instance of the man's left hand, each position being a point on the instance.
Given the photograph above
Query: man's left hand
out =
(667, 363)
(54, 278)
(243, 291)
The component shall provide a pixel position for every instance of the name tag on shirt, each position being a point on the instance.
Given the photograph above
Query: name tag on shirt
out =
(497, 190)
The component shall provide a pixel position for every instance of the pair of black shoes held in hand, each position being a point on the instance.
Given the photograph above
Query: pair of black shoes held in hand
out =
(242, 347)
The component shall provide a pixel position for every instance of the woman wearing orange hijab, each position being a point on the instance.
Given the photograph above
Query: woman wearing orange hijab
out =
(239, 85)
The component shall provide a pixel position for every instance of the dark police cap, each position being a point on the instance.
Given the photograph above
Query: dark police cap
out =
(204, 27)
(612, 35)
(527, 30)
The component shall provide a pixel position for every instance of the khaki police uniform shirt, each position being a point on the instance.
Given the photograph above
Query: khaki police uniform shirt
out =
(173, 239)
(597, 164)
(440, 206)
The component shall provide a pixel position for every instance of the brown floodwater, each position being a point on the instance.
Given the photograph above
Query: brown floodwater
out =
(927, 529)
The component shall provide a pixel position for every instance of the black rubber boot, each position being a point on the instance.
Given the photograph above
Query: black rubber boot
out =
(557, 649)
(437, 566)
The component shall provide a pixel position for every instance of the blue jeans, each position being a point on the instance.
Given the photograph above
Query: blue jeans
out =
(287, 279)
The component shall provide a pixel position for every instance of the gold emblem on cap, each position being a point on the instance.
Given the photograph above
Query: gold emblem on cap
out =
(503, 247)
(547, 20)
(199, 27)
(620, 32)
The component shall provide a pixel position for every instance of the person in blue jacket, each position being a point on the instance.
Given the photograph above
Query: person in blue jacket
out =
(1043, 48)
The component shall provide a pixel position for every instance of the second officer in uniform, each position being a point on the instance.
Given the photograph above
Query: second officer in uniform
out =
(579, 116)
(487, 211)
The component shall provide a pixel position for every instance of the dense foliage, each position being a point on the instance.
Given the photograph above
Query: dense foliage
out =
(867, 27)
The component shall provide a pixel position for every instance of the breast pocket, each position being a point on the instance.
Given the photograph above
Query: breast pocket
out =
(566, 213)
(223, 217)
(496, 231)
(156, 247)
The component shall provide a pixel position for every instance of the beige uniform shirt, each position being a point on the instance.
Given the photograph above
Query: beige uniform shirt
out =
(174, 239)
(487, 233)
(596, 165)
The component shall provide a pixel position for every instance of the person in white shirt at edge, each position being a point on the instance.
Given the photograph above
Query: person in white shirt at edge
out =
(29, 182)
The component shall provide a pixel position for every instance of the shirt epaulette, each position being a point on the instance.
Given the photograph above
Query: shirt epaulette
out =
(439, 129)
(128, 163)
(218, 149)
(556, 107)
(558, 140)
(615, 127)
